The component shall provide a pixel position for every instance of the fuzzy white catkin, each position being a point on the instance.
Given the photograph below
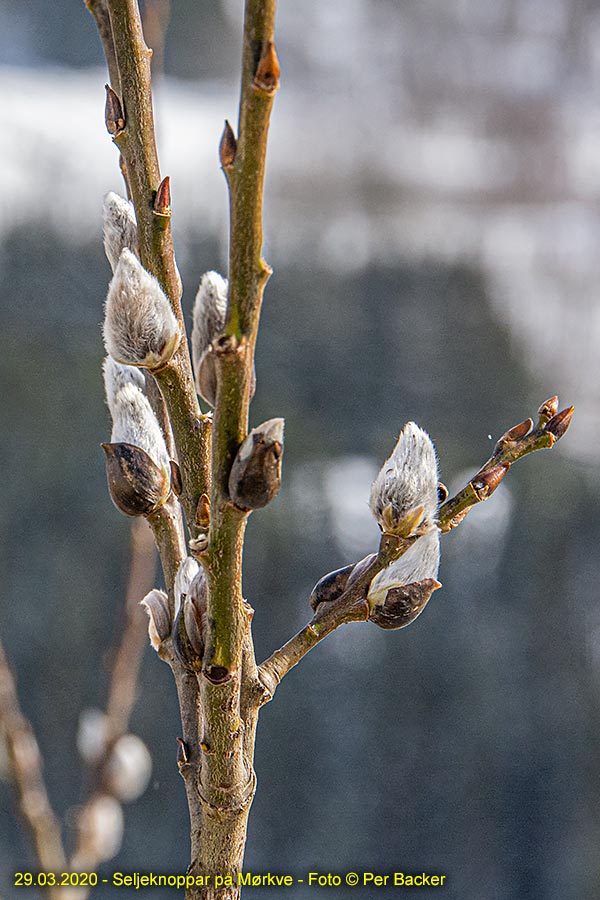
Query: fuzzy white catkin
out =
(408, 479)
(140, 328)
(91, 735)
(210, 311)
(187, 571)
(129, 768)
(133, 418)
(421, 561)
(116, 376)
(103, 828)
(119, 227)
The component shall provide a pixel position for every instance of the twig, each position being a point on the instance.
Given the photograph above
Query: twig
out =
(26, 767)
(517, 442)
(136, 141)
(351, 606)
(122, 689)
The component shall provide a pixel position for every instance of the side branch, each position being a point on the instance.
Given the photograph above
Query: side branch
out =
(26, 768)
(517, 442)
(351, 604)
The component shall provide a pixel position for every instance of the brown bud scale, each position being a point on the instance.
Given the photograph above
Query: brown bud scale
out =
(227, 147)
(268, 70)
(403, 604)
(485, 483)
(162, 201)
(330, 586)
(559, 423)
(113, 112)
(137, 486)
(548, 409)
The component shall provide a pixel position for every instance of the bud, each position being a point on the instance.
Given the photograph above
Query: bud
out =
(133, 418)
(559, 423)
(129, 768)
(190, 623)
(421, 561)
(403, 604)
(203, 512)
(210, 311)
(119, 227)
(268, 71)
(255, 476)
(404, 496)
(113, 112)
(183, 756)
(156, 605)
(485, 483)
(516, 433)
(194, 613)
(187, 571)
(101, 828)
(330, 586)
(91, 735)
(162, 200)
(227, 147)
(140, 328)
(137, 486)
(548, 409)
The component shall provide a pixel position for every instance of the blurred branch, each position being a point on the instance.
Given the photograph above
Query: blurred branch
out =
(26, 766)
(122, 691)
(156, 15)
(351, 604)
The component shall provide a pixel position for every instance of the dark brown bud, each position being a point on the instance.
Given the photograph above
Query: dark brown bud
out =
(176, 482)
(559, 423)
(403, 604)
(203, 512)
(255, 476)
(137, 486)
(485, 483)
(162, 200)
(330, 586)
(516, 433)
(268, 70)
(113, 112)
(182, 753)
(548, 409)
(190, 624)
(227, 147)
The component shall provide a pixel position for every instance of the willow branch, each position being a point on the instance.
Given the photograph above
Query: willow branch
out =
(99, 10)
(26, 767)
(351, 605)
(137, 143)
(244, 166)
(517, 442)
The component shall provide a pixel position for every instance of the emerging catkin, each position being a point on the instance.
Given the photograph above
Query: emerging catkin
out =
(119, 227)
(140, 328)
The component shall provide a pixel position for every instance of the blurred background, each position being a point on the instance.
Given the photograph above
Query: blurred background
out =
(433, 221)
